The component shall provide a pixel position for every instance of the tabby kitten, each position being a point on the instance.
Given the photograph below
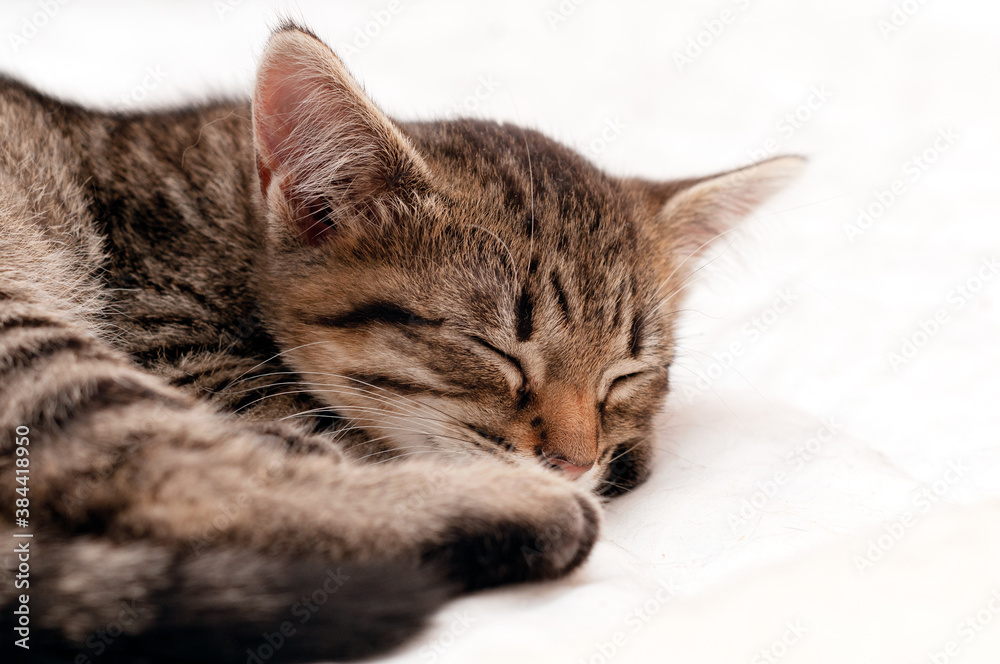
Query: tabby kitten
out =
(258, 354)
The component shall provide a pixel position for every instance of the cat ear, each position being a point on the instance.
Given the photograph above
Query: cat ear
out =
(326, 155)
(692, 213)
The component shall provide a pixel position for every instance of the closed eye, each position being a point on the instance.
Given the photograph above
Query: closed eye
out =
(509, 361)
(619, 383)
(378, 312)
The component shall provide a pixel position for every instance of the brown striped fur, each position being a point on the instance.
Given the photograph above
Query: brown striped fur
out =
(219, 322)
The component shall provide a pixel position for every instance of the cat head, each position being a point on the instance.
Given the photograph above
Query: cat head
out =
(467, 286)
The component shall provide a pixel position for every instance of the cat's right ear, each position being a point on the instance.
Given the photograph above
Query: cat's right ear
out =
(330, 161)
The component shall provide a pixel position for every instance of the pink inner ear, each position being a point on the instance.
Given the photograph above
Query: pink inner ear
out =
(284, 93)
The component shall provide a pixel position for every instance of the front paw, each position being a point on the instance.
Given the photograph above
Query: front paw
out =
(536, 540)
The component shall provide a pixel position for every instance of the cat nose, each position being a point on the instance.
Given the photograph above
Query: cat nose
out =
(568, 468)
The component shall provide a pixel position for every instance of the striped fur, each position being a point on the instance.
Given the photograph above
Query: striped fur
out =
(218, 322)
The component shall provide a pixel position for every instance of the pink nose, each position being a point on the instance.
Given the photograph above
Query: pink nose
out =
(570, 469)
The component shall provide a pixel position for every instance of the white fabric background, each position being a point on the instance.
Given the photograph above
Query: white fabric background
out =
(679, 574)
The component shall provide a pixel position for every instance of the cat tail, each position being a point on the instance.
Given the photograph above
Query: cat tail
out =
(93, 601)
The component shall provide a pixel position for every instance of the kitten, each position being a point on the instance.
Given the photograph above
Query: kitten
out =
(255, 355)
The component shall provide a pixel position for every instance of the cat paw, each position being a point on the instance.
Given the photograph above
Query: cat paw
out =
(542, 536)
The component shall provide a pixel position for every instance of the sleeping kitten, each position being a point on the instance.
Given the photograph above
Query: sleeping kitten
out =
(254, 355)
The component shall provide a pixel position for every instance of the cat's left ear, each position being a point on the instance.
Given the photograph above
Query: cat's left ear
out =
(691, 214)
(330, 161)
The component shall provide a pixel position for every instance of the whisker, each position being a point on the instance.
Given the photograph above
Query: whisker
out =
(688, 279)
(381, 390)
(402, 456)
(346, 390)
(431, 434)
(366, 409)
(393, 449)
(604, 483)
(736, 371)
(618, 456)
(273, 358)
